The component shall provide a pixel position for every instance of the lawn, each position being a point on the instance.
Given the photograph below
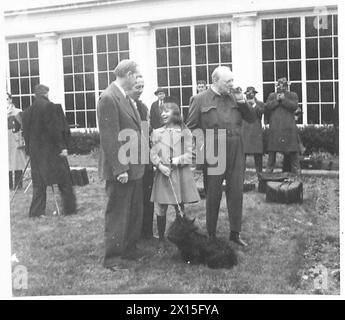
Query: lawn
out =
(63, 255)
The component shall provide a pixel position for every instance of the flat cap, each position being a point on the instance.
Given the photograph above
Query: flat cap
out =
(41, 90)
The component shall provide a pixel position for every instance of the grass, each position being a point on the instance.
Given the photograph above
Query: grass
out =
(63, 255)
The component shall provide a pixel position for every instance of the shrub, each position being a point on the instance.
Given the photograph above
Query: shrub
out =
(84, 142)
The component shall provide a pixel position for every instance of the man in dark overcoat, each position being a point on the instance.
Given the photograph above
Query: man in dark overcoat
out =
(46, 145)
(156, 109)
(283, 133)
(218, 108)
(124, 210)
(252, 132)
(135, 93)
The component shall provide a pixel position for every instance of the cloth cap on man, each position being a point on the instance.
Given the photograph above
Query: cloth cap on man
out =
(251, 90)
(159, 89)
(41, 90)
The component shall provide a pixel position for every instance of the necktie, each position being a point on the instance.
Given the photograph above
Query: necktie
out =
(134, 109)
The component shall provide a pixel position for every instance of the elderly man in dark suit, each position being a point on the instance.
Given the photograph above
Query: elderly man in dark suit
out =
(221, 108)
(124, 211)
(46, 144)
(283, 133)
(156, 109)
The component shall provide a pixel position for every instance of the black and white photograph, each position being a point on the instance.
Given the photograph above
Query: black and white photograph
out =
(171, 147)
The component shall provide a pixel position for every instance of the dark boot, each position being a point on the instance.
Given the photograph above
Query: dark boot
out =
(236, 238)
(161, 223)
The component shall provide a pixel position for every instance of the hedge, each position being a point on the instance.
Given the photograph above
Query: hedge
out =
(315, 139)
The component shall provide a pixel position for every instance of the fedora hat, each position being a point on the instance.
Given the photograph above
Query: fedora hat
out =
(251, 89)
(159, 89)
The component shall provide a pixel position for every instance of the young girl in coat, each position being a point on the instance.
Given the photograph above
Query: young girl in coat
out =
(171, 153)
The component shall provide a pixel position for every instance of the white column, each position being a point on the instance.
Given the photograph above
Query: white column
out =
(50, 64)
(142, 50)
(246, 48)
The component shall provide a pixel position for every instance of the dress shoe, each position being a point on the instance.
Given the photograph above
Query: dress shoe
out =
(236, 238)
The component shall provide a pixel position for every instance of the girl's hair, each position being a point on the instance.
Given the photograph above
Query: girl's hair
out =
(176, 117)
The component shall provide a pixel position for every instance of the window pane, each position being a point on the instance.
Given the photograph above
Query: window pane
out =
(175, 93)
(102, 80)
(33, 49)
(162, 77)
(186, 95)
(101, 43)
(112, 42)
(185, 36)
(313, 114)
(25, 102)
(14, 72)
(327, 92)
(335, 42)
(267, 29)
(13, 51)
(34, 69)
(225, 32)
(200, 34)
(80, 119)
(16, 102)
(70, 119)
(186, 75)
(14, 86)
(311, 48)
(267, 50)
(79, 82)
(172, 37)
(201, 73)
(23, 50)
(77, 45)
(268, 71)
(113, 60)
(161, 58)
(123, 41)
(79, 101)
(312, 92)
(310, 29)
(326, 47)
(173, 57)
(88, 45)
(268, 89)
(295, 70)
(326, 25)
(327, 113)
(90, 100)
(212, 33)
(69, 101)
(24, 86)
(111, 77)
(281, 50)
(66, 47)
(78, 64)
(335, 24)
(294, 27)
(213, 54)
(34, 82)
(174, 77)
(89, 82)
(67, 65)
(161, 40)
(312, 70)
(102, 62)
(124, 55)
(295, 49)
(91, 119)
(336, 69)
(200, 54)
(210, 71)
(186, 56)
(326, 69)
(281, 69)
(88, 63)
(297, 88)
(281, 28)
(24, 68)
(225, 52)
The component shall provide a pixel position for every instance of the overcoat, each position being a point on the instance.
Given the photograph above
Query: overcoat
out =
(283, 132)
(16, 154)
(252, 132)
(155, 116)
(44, 141)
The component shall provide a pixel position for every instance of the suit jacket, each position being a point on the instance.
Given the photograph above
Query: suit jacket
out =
(44, 141)
(283, 132)
(155, 116)
(115, 113)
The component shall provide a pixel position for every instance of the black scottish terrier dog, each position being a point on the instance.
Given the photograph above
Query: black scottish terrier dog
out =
(196, 248)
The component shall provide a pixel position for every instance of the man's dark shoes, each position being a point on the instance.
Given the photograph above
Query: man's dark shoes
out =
(236, 238)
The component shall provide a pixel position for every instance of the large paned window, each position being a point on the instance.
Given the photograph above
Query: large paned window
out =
(23, 72)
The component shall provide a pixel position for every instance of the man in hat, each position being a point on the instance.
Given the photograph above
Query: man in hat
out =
(283, 134)
(220, 107)
(46, 144)
(156, 109)
(252, 132)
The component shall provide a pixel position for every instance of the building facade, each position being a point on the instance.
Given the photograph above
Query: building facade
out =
(73, 47)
